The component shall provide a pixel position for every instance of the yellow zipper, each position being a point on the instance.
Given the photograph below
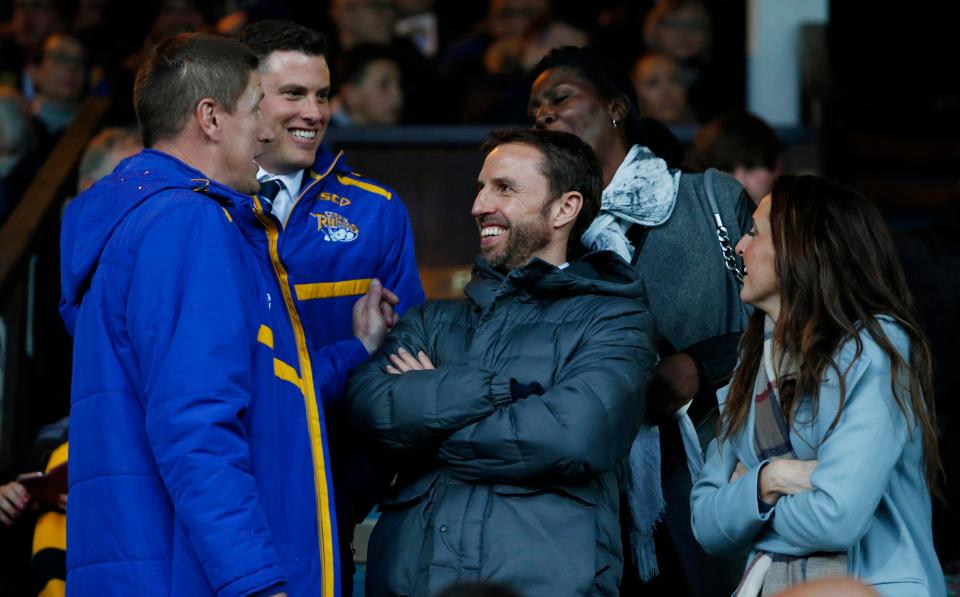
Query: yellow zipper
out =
(324, 526)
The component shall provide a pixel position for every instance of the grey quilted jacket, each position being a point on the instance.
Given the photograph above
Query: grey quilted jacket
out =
(494, 485)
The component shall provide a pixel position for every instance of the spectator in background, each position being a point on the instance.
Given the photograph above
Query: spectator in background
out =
(357, 22)
(104, 152)
(18, 162)
(363, 22)
(683, 30)
(21, 41)
(60, 77)
(480, 73)
(417, 21)
(661, 93)
(743, 145)
(370, 89)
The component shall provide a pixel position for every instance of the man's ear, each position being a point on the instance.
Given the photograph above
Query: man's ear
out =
(566, 208)
(207, 114)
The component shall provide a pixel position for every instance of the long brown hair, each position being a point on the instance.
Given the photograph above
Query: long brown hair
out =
(838, 270)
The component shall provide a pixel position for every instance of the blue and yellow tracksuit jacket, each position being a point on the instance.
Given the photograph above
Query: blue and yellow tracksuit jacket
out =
(342, 231)
(198, 453)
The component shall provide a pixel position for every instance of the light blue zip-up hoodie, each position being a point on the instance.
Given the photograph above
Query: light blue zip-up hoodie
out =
(870, 496)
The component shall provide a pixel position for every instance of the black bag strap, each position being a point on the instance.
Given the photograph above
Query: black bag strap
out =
(637, 235)
(726, 249)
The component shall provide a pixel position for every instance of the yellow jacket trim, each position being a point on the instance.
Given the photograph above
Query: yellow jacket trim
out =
(227, 213)
(54, 588)
(322, 495)
(265, 336)
(366, 186)
(287, 373)
(322, 290)
(50, 531)
(316, 178)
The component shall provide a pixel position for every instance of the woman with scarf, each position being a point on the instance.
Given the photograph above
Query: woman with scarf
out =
(678, 231)
(827, 445)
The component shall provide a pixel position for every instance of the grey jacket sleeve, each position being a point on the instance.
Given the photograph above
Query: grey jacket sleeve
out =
(418, 409)
(582, 425)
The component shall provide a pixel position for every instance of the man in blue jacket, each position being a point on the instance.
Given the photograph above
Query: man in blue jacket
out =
(339, 229)
(199, 462)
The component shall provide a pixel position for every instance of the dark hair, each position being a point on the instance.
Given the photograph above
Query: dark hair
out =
(266, 37)
(568, 163)
(183, 70)
(612, 82)
(352, 64)
(736, 139)
(838, 270)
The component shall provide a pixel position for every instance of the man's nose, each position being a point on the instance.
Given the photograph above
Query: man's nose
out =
(264, 132)
(480, 205)
(311, 110)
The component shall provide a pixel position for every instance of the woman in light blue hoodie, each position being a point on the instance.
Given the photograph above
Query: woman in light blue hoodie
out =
(827, 447)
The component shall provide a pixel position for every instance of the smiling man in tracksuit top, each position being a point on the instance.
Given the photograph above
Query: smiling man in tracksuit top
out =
(339, 229)
(199, 462)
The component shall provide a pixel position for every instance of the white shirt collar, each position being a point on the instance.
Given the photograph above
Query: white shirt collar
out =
(283, 203)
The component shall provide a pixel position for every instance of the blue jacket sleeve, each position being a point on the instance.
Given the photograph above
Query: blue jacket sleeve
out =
(582, 425)
(726, 517)
(398, 263)
(192, 335)
(332, 365)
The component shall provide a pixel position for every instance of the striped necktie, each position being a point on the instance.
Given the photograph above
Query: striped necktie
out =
(268, 192)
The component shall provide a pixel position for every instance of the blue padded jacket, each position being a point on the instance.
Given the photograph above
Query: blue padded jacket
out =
(198, 452)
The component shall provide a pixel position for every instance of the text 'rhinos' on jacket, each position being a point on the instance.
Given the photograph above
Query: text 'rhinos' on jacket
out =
(520, 491)
(198, 460)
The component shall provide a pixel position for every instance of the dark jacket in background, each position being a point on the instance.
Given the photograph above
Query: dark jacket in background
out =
(500, 485)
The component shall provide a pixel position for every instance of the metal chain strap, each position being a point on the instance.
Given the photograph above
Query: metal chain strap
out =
(729, 256)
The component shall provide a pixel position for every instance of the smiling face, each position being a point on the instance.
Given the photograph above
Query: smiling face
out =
(243, 137)
(512, 207)
(562, 101)
(296, 107)
(761, 285)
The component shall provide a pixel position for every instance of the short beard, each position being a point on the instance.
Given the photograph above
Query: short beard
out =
(525, 240)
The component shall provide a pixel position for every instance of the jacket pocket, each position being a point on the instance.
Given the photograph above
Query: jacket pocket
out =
(585, 494)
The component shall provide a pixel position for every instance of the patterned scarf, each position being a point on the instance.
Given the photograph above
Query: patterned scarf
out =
(771, 573)
(642, 191)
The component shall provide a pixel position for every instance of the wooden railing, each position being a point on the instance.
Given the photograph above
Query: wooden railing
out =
(21, 411)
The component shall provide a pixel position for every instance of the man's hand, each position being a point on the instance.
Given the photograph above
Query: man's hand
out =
(785, 476)
(14, 497)
(373, 316)
(403, 361)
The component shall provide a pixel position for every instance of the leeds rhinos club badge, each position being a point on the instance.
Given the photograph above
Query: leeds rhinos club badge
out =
(336, 228)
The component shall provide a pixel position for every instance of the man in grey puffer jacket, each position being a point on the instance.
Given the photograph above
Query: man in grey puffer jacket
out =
(508, 413)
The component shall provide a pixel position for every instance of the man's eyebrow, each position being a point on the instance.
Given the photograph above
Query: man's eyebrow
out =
(287, 88)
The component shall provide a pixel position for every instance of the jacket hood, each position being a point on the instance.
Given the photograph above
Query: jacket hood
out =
(600, 272)
(94, 215)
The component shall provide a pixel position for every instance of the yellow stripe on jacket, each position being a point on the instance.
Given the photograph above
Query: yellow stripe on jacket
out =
(323, 290)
